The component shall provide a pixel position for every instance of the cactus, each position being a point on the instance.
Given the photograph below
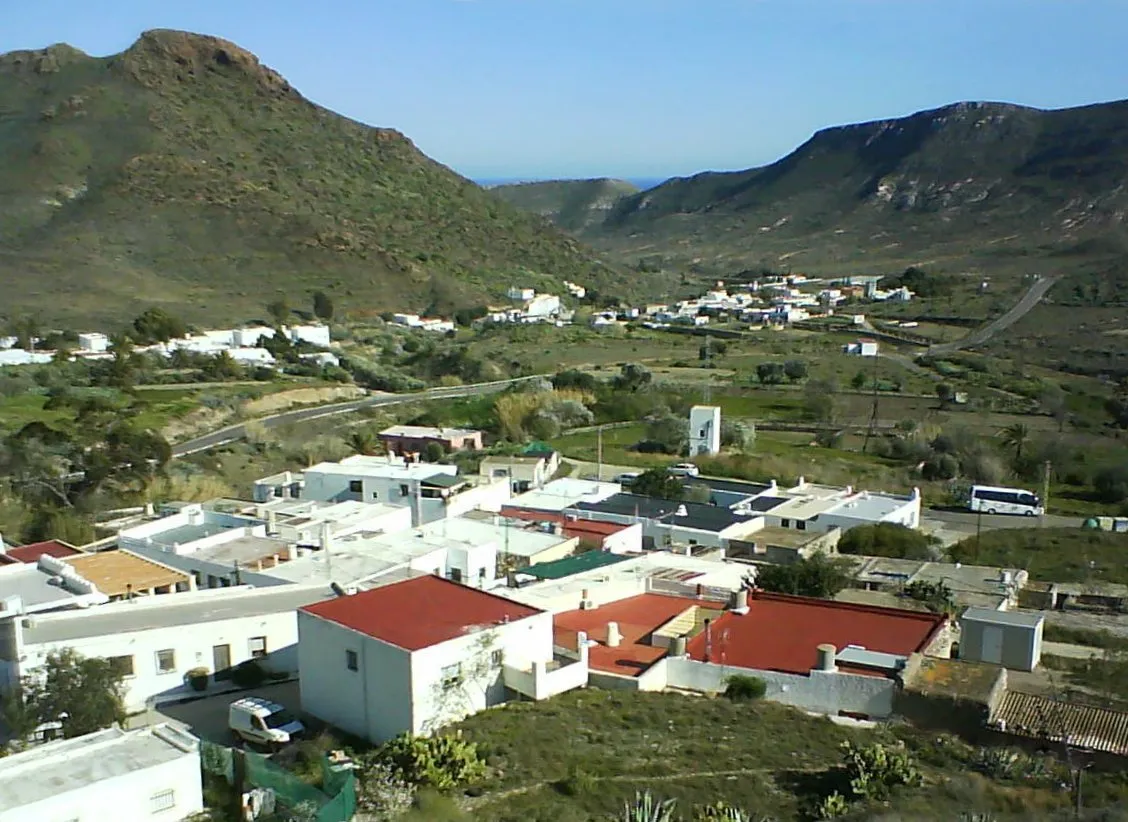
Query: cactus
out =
(873, 770)
(440, 762)
(832, 806)
(721, 811)
(646, 808)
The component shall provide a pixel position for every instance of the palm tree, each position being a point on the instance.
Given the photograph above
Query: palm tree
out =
(1016, 437)
(363, 441)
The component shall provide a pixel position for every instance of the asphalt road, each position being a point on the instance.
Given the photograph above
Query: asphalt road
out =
(1031, 298)
(966, 520)
(232, 433)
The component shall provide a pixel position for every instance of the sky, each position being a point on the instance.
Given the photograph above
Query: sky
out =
(540, 89)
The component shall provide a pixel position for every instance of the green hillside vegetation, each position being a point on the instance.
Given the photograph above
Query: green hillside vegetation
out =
(573, 205)
(183, 172)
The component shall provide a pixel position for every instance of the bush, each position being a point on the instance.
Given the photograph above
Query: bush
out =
(875, 769)
(198, 679)
(886, 539)
(1111, 483)
(248, 674)
(744, 688)
(440, 762)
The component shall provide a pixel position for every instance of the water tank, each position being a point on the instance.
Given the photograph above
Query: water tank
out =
(614, 638)
(677, 647)
(740, 601)
(826, 654)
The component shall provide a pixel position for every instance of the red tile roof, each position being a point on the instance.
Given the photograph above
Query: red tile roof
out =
(638, 617)
(419, 612)
(32, 553)
(579, 527)
(781, 632)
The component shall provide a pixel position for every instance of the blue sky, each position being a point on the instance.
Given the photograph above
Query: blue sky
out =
(631, 88)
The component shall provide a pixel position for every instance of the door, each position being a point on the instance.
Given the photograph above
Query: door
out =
(221, 662)
(993, 644)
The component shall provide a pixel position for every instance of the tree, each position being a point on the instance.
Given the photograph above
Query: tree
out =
(155, 325)
(1117, 404)
(795, 370)
(322, 306)
(25, 329)
(819, 401)
(945, 393)
(737, 435)
(1016, 437)
(1111, 483)
(279, 310)
(770, 373)
(433, 452)
(886, 539)
(363, 441)
(574, 378)
(657, 482)
(818, 576)
(632, 377)
(858, 381)
(669, 432)
(84, 693)
(1055, 402)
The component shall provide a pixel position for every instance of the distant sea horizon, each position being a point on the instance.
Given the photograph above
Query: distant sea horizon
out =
(643, 183)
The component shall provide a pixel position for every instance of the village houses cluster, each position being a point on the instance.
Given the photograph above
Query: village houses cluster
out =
(401, 595)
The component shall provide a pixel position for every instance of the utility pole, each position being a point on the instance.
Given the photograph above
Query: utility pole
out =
(872, 429)
(599, 453)
(1045, 492)
(978, 530)
(707, 394)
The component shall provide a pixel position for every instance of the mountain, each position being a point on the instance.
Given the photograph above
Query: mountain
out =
(969, 185)
(573, 205)
(183, 172)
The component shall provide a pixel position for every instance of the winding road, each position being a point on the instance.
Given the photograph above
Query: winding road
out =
(233, 433)
(1031, 298)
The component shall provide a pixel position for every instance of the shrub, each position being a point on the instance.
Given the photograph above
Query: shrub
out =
(198, 678)
(875, 769)
(1111, 483)
(442, 762)
(886, 539)
(248, 674)
(744, 688)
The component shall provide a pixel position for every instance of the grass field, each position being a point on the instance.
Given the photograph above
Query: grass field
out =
(580, 756)
(1051, 554)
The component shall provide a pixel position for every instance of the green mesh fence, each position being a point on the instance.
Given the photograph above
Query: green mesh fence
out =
(335, 803)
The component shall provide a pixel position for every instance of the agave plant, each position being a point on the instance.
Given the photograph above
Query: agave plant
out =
(646, 808)
(721, 811)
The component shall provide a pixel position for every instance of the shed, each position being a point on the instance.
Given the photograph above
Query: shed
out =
(1008, 638)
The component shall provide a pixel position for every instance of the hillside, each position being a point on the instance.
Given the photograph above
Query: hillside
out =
(573, 205)
(184, 172)
(969, 186)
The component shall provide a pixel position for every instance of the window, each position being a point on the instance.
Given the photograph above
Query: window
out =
(451, 676)
(785, 523)
(375, 495)
(257, 646)
(495, 658)
(404, 490)
(356, 486)
(121, 665)
(166, 661)
(455, 575)
(163, 801)
(351, 661)
(801, 525)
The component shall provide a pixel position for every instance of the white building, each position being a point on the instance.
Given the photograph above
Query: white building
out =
(519, 294)
(313, 334)
(560, 494)
(18, 356)
(251, 356)
(524, 473)
(93, 342)
(704, 430)
(127, 776)
(863, 347)
(819, 508)
(157, 640)
(417, 655)
(542, 307)
(48, 585)
(250, 337)
(668, 523)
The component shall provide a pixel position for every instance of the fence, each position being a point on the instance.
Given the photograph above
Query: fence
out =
(335, 801)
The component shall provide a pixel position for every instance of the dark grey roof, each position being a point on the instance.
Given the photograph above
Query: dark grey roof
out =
(443, 481)
(698, 515)
(731, 486)
(762, 504)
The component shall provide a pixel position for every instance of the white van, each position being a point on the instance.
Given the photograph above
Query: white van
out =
(261, 721)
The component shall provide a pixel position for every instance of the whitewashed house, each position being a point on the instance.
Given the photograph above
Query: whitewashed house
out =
(416, 655)
(127, 776)
(93, 343)
(862, 347)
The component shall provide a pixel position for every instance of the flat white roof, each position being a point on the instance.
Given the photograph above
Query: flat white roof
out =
(34, 588)
(510, 536)
(70, 765)
(423, 431)
(380, 467)
(993, 617)
(803, 507)
(870, 506)
(565, 493)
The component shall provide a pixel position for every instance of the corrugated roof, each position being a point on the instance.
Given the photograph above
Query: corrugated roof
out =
(566, 567)
(1015, 618)
(32, 553)
(781, 632)
(1084, 726)
(420, 612)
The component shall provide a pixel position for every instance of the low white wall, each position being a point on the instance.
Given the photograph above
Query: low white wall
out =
(627, 541)
(819, 692)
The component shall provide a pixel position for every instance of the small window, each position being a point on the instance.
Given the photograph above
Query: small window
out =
(351, 661)
(356, 486)
(455, 575)
(785, 523)
(121, 665)
(375, 495)
(496, 658)
(801, 525)
(404, 489)
(166, 661)
(451, 676)
(257, 646)
(163, 801)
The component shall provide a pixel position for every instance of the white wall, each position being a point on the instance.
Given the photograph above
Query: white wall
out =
(819, 692)
(126, 798)
(521, 643)
(202, 569)
(193, 647)
(627, 541)
(485, 497)
(372, 702)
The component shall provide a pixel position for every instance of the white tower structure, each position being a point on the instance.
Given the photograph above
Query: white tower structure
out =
(704, 430)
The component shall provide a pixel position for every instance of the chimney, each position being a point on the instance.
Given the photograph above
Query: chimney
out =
(802, 483)
(740, 602)
(677, 647)
(271, 522)
(614, 638)
(825, 656)
(681, 511)
(326, 536)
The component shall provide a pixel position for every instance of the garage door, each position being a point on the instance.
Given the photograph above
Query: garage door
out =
(993, 644)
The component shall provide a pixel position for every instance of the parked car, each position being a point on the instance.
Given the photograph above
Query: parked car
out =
(628, 477)
(683, 469)
(258, 720)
